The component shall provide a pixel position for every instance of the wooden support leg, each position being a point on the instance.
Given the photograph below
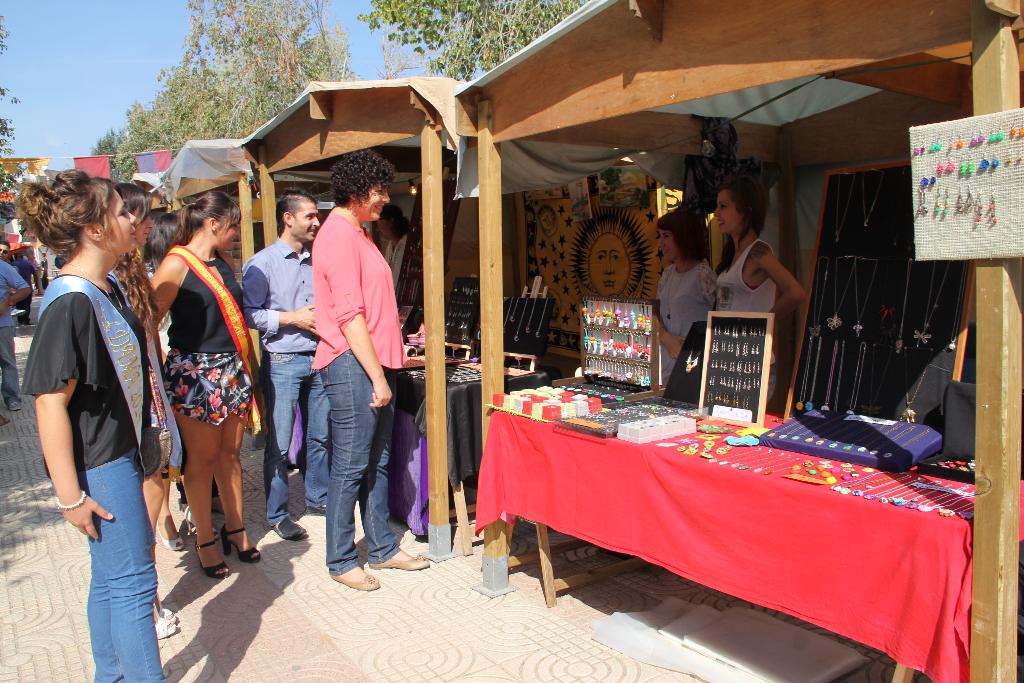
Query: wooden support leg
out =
(462, 515)
(903, 674)
(547, 580)
(495, 564)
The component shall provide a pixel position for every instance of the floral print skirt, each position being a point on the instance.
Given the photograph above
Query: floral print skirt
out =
(207, 386)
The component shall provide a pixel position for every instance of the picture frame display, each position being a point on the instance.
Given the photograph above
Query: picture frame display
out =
(737, 366)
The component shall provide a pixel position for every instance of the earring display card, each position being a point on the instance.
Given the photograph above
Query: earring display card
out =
(527, 320)
(966, 191)
(882, 333)
(737, 363)
(619, 341)
(462, 313)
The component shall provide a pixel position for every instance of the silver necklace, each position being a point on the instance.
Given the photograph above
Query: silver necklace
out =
(864, 196)
(857, 327)
(959, 306)
(831, 374)
(835, 322)
(841, 223)
(858, 375)
(903, 312)
(922, 336)
(815, 329)
(529, 319)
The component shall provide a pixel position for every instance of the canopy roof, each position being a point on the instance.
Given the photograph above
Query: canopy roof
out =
(202, 165)
(332, 118)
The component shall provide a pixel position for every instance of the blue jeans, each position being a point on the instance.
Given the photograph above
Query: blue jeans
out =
(123, 584)
(288, 379)
(361, 438)
(8, 366)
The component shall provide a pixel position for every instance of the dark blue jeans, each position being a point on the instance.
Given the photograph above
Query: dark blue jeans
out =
(123, 584)
(361, 438)
(289, 379)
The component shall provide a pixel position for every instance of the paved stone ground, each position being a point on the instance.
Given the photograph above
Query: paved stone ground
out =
(284, 620)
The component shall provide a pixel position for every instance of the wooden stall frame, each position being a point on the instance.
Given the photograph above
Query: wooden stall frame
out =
(622, 83)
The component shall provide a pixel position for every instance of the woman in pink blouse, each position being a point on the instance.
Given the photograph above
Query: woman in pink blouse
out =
(360, 346)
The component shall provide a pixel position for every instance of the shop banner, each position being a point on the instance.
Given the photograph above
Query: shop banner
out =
(153, 162)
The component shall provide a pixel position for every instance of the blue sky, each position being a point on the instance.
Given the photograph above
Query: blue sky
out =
(76, 66)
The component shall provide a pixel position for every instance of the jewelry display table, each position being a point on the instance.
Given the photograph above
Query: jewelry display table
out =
(894, 578)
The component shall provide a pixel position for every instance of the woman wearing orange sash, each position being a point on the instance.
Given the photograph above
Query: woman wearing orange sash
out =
(207, 374)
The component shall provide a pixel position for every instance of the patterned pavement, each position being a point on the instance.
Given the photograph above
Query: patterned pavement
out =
(284, 620)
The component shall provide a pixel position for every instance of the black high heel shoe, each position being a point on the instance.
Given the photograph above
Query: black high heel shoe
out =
(250, 556)
(219, 571)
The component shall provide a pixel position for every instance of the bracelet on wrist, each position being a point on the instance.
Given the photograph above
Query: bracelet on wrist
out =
(74, 506)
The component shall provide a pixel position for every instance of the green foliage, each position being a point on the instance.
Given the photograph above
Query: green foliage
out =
(463, 37)
(6, 129)
(244, 61)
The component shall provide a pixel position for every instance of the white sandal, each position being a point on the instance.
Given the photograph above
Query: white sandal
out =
(176, 544)
(165, 628)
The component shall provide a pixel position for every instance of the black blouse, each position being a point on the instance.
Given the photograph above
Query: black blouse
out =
(197, 325)
(68, 344)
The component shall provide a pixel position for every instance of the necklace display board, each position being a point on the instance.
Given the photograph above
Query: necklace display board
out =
(883, 333)
(619, 340)
(685, 381)
(462, 314)
(526, 325)
(737, 361)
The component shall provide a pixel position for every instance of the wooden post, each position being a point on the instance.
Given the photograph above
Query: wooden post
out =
(996, 76)
(439, 531)
(789, 254)
(492, 332)
(268, 200)
(248, 240)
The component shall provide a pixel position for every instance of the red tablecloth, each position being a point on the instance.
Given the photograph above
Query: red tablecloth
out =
(895, 579)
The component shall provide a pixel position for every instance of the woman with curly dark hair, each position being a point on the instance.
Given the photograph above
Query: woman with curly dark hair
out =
(360, 346)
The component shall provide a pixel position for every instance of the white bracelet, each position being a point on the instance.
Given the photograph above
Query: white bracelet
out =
(74, 506)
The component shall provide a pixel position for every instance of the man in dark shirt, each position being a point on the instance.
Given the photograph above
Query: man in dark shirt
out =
(30, 274)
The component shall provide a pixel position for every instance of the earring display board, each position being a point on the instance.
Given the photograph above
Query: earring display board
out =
(737, 363)
(526, 325)
(619, 341)
(967, 187)
(462, 314)
(883, 332)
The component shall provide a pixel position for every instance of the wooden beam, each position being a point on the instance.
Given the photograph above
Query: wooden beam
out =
(629, 73)
(651, 12)
(996, 73)
(433, 316)
(268, 199)
(940, 81)
(245, 208)
(662, 132)
(321, 105)
(874, 127)
(492, 338)
(784, 343)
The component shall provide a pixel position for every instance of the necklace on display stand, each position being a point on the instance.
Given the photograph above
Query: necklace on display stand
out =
(841, 222)
(858, 327)
(922, 335)
(858, 376)
(831, 375)
(835, 322)
(540, 321)
(903, 312)
(873, 408)
(839, 375)
(529, 320)
(909, 414)
(864, 195)
(959, 307)
(816, 308)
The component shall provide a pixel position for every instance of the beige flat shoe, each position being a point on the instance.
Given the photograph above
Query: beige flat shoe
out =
(413, 564)
(369, 582)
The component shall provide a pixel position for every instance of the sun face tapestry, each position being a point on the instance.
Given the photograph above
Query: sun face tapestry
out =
(613, 253)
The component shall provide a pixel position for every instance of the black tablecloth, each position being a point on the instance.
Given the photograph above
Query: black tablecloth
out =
(465, 434)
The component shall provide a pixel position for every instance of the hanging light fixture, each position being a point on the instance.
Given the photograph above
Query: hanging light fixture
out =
(412, 186)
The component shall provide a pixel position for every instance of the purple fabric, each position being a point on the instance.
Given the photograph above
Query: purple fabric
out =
(407, 474)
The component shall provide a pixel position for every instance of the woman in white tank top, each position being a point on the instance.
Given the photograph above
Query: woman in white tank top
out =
(749, 275)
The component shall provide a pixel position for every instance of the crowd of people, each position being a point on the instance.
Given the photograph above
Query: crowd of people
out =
(122, 419)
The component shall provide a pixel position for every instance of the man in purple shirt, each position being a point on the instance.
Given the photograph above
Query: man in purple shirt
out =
(277, 297)
(15, 289)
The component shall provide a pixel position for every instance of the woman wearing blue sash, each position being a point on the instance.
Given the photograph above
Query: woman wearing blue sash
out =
(86, 369)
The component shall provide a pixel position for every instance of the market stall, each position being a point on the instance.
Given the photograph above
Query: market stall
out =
(412, 122)
(919, 70)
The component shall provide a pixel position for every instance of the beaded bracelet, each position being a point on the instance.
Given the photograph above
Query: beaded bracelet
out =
(74, 506)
